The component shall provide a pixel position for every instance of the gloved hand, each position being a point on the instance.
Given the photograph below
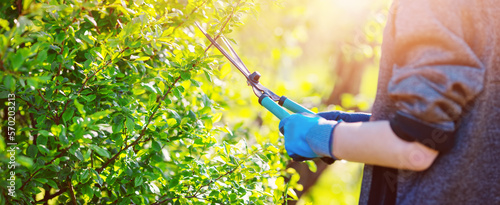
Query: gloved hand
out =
(345, 116)
(308, 136)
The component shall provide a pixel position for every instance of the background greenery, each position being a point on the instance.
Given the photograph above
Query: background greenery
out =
(121, 102)
(301, 48)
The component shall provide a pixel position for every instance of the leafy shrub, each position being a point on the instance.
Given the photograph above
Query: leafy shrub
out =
(116, 102)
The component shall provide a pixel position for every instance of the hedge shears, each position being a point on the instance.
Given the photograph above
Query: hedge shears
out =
(267, 98)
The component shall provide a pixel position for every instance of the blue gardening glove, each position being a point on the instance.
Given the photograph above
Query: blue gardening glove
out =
(308, 136)
(346, 116)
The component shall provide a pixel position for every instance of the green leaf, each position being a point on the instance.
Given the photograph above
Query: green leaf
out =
(142, 58)
(186, 75)
(79, 155)
(42, 56)
(177, 92)
(161, 85)
(9, 82)
(42, 180)
(68, 115)
(98, 177)
(63, 139)
(100, 115)
(130, 124)
(171, 122)
(25, 161)
(79, 107)
(56, 130)
(44, 132)
(42, 139)
(43, 149)
(16, 60)
(4, 24)
(85, 175)
(292, 193)
(52, 184)
(312, 166)
(87, 155)
(89, 98)
(138, 91)
(100, 151)
(273, 149)
(32, 150)
(156, 145)
(32, 83)
(138, 181)
(26, 4)
(4, 94)
(165, 76)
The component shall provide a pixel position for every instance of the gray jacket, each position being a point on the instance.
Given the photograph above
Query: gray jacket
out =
(441, 66)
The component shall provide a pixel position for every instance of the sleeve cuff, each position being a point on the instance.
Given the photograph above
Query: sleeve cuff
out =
(409, 129)
(320, 139)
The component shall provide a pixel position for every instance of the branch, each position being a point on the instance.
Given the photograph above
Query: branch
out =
(27, 102)
(173, 31)
(29, 179)
(60, 66)
(107, 63)
(56, 119)
(47, 163)
(224, 26)
(87, 79)
(61, 191)
(72, 192)
(143, 131)
(95, 26)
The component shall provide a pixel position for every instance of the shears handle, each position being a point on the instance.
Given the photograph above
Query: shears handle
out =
(273, 107)
(277, 110)
(293, 106)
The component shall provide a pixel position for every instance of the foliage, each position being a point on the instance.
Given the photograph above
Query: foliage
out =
(117, 102)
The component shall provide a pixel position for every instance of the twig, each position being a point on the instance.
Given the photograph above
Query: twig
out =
(190, 14)
(95, 26)
(61, 191)
(224, 26)
(56, 119)
(27, 102)
(60, 66)
(71, 191)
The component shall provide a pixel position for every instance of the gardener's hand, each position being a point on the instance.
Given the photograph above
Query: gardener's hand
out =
(308, 136)
(345, 116)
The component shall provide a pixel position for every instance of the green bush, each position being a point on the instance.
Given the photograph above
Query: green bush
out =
(116, 102)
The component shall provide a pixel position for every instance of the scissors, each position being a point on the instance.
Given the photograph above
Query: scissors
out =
(267, 98)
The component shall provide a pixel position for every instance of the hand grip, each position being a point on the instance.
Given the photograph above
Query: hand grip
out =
(293, 106)
(273, 107)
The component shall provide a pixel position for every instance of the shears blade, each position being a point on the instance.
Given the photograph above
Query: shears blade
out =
(257, 88)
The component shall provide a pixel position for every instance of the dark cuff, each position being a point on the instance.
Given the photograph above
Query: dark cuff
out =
(410, 129)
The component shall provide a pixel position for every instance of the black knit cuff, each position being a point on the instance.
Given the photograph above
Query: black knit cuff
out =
(410, 130)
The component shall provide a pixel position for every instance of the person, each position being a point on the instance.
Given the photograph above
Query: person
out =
(434, 133)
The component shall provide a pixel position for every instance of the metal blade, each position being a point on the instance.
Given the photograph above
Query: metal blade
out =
(241, 68)
(235, 56)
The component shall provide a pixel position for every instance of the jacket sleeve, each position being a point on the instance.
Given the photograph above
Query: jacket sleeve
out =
(436, 73)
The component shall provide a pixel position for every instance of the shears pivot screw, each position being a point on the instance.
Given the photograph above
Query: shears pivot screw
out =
(255, 76)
